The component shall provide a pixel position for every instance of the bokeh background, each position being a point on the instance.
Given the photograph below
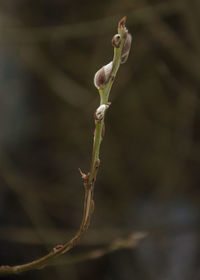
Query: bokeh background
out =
(150, 157)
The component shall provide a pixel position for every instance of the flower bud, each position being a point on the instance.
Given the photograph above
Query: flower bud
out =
(116, 41)
(126, 48)
(100, 112)
(102, 75)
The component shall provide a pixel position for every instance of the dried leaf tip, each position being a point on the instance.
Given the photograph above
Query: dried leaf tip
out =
(102, 75)
(122, 22)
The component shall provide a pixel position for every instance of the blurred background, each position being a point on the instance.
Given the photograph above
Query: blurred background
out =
(149, 176)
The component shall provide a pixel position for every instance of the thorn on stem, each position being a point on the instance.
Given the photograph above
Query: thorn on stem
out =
(57, 247)
(83, 175)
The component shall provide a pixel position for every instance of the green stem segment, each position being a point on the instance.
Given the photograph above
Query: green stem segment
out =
(104, 97)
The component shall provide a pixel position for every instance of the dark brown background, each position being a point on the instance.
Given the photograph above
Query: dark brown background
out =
(150, 172)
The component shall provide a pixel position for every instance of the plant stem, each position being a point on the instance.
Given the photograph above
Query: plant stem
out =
(88, 180)
(104, 97)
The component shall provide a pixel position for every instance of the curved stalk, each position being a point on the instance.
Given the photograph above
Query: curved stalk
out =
(88, 179)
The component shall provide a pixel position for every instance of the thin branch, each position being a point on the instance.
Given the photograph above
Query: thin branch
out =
(90, 178)
(100, 237)
(120, 243)
(57, 81)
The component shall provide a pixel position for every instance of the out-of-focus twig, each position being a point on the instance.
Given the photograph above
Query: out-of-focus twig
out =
(191, 20)
(83, 29)
(100, 237)
(167, 38)
(28, 200)
(69, 90)
(121, 243)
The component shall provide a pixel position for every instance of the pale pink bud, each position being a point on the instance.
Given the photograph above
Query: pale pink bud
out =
(126, 48)
(102, 75)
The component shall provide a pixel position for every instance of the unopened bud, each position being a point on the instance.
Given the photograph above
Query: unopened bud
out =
(102, 75)
(100, 112)
(116, 41)
(58, 247)
(126, 48)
